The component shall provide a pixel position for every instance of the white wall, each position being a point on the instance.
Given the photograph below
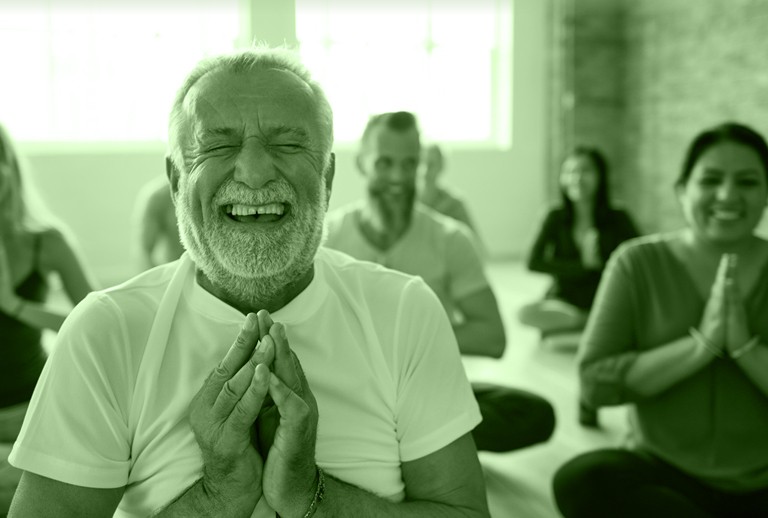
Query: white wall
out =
(92, 188)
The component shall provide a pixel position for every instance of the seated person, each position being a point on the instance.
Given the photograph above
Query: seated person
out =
(436, 196)
(389, 228)
(574, 242)
(678, 330)
(30, 251)
(158, 235)
(257, 374)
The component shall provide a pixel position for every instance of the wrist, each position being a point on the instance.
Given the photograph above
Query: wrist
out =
(318, 493)
(746, 348)
(218, 495)
(704, 345)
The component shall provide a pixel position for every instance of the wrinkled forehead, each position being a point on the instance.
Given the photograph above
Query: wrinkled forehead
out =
(251, 101)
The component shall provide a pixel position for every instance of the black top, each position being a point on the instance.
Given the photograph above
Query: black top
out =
(23, 356)
(556, 253)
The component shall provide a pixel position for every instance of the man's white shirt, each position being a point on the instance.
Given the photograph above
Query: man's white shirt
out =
(111, 407)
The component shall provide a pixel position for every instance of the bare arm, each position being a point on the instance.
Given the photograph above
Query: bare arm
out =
(57, 256)
(446, 484)
(755, 366)
(656, 370)
(482, 331)
(41, 497)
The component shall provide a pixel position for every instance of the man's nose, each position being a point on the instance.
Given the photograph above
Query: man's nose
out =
(400, 173)
(255, 167)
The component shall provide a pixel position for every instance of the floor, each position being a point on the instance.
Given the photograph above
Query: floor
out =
(518, 483)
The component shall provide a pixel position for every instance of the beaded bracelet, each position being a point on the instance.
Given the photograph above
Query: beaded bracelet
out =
(319, 493)
(702, 340)
(744, 349)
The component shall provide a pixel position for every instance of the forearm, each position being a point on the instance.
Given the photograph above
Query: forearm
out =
(479, 338)
(38, 315)
(200, 501)
(657, 370)
(755, 366)
(342, 500)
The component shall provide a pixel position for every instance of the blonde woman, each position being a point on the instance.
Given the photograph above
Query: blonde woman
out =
(29, 252)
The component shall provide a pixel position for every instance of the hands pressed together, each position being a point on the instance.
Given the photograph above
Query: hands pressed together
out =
(255, 421)
(724, 329)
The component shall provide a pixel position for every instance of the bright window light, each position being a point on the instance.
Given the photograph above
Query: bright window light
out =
(76, 71)
(444, 61)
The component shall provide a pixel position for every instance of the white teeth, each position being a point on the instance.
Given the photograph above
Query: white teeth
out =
(726, 215)
(249, 210)
(272, 208)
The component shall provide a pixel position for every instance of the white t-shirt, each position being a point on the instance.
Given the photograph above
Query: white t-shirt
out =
(440, 250)
(111, 407)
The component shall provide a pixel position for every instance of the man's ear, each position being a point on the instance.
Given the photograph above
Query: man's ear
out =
(359, 164)
(330, 172)
(173, 176)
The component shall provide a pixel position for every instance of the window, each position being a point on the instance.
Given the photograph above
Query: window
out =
(79, 72)
(448, 62)
(97, 71)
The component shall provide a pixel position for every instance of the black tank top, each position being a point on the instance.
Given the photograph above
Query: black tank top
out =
(23, 356)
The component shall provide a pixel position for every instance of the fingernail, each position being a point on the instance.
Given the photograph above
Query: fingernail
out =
(282, 332)
(250, 322)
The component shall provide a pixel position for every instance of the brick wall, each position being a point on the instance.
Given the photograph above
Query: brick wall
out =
(650, 74)
(689, 64)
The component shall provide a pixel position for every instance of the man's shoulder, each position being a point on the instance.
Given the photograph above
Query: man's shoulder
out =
(439, 226)
(132, 304)
(347, 274)
(343, 213)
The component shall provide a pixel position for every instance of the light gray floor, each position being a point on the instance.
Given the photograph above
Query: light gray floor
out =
(518, 483)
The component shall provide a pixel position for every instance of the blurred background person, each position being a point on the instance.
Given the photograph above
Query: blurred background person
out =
(30, 251)
(679, 331)
(388, 227)
(434, 194)
(157, 240)
(573, 244)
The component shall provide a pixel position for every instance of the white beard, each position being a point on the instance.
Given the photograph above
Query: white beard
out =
(253, 267)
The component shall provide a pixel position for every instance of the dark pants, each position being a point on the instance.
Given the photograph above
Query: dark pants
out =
(512, 418)
(611, 483)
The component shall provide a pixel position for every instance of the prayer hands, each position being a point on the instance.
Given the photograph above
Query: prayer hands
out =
(736, 325)
(590, 250)
(222, 414)
(724, 323)
(290, 472)
(713, 321)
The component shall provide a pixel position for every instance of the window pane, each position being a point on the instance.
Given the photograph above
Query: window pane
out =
(106, 73)
(436, 59)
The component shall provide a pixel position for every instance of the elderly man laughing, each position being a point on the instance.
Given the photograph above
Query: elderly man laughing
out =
(260, 373)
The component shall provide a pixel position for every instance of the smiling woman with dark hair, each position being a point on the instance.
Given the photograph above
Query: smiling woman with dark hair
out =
(679, 331)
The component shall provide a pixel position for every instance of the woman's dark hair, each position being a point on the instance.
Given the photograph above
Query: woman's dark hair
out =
(725, 132)
(602, 197)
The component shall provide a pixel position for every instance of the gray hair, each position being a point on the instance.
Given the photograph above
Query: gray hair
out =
(256, 58)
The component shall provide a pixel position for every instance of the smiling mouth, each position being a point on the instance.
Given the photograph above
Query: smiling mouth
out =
(265, 213)
(726, 216)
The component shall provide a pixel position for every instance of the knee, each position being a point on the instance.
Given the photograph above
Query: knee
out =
(527, 315)
(581, 483)
(543, 413)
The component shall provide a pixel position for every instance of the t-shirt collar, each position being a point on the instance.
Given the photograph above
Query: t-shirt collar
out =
(302, 307)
